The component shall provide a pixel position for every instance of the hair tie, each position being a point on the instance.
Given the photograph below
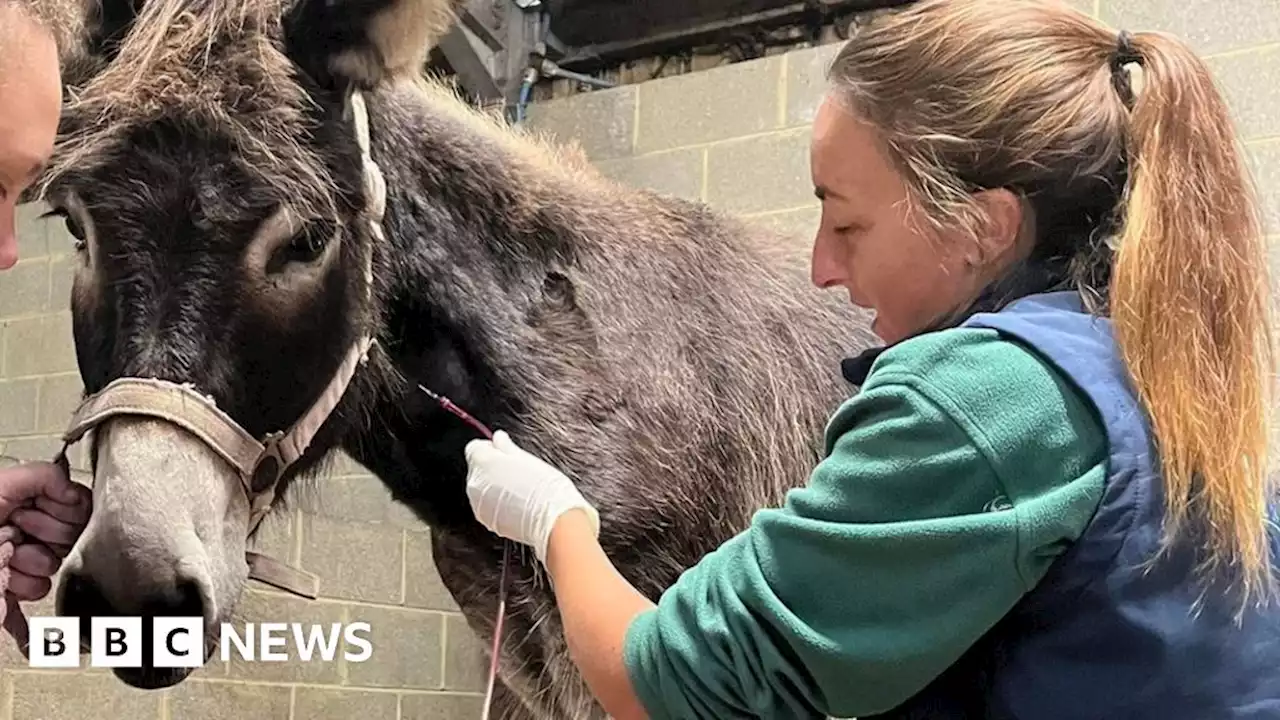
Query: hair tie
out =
(1124, 54)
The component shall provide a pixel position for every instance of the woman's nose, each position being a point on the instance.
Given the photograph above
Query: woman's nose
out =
(8, 244)
(825, 269)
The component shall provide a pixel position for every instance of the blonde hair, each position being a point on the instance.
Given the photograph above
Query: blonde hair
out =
(1144, 198)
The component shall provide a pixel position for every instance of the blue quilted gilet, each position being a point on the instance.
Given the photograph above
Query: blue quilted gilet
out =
(1106, 635)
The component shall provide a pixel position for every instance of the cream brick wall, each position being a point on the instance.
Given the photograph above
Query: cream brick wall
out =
(735, 137)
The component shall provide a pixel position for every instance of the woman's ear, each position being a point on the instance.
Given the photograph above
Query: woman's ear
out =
(1004, 218)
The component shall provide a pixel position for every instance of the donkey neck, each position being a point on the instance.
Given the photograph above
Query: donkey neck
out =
(472, 266)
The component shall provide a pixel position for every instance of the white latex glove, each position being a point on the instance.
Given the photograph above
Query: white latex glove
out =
(517, 495)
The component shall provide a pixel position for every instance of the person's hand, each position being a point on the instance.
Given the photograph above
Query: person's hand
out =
(42, 514)
(11, 617)
(519, 496)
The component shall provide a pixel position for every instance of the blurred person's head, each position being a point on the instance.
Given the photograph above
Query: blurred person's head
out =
(30, 101)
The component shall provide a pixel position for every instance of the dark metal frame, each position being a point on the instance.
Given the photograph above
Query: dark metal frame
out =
(501, 47)
(489, 48)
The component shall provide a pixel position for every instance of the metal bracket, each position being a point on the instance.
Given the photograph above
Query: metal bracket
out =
(472, 68)
(492, 46)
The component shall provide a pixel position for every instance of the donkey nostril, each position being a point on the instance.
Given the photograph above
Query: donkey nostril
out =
(82, 597)
(190, 601)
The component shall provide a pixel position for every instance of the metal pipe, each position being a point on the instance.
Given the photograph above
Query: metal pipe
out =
(551, 69)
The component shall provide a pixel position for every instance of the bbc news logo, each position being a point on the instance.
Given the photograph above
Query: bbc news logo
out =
(178, 642)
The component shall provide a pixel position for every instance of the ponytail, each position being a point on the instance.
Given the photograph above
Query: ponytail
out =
(1190, 303)
(1020, 96)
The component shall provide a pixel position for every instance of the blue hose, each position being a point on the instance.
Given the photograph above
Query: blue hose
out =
(526, 89)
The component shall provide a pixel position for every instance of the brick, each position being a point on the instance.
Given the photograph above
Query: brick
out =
(1208, 26)
(39, 346)
(332, 704)
(69, 695)
(355, 561)
(800, 225)
(81, 476)
(422, 585)
(356, 498)
(197, 700)
(1265, 165)
(214, 668)
(407, 649)
(58, 344)
(676, 172)
(601, 122)
(275, 537)
(760, 174)
(261, 607)
(806, 82)
(78, 454)
(32, 231)
(440, 706)
(62, 274)
(466, 660)
(18, 407)
(21, 339)
(1248, 81)
(43, 447)
(59, 396)
(25, 288)
(729, 101)
(61, 242)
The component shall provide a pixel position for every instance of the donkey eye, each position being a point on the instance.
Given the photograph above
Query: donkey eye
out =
(73, 226)
(305, 247)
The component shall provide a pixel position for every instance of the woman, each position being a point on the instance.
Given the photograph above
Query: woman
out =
(42, 512)
(1051, 257)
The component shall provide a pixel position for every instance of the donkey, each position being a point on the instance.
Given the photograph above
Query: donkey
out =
(675, 361)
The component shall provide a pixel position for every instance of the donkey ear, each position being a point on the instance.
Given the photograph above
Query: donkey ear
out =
(361, 43)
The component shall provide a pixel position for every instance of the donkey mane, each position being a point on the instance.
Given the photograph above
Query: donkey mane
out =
(215, 65)
(675, 361)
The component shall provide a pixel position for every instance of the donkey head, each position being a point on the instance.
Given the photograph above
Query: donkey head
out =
(209, 169)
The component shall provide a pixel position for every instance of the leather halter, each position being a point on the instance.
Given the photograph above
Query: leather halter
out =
(259, 463)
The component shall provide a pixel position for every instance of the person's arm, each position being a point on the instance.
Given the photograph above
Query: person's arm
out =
(871, 580)
(597, 605)
(520, 497)
(945, 496)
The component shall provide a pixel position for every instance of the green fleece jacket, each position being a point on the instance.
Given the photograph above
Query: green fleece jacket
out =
(964, 467)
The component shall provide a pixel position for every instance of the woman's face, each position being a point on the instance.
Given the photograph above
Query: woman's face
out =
(867, 242)
(30, 102)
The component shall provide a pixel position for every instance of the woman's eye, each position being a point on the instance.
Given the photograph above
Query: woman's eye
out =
(73, 226)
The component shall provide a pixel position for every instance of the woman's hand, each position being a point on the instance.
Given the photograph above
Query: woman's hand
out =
(519, 496)
(42, 514)
(522, 498)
